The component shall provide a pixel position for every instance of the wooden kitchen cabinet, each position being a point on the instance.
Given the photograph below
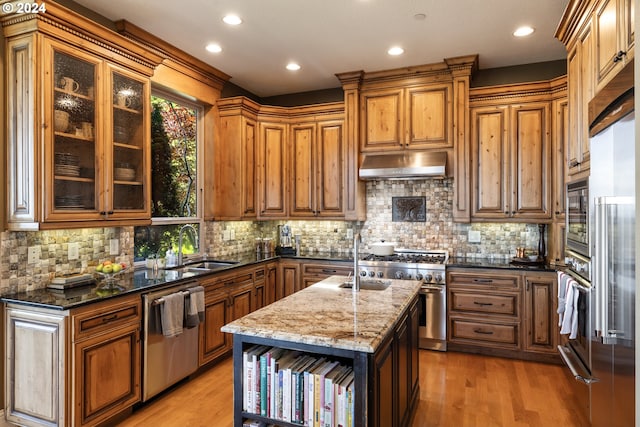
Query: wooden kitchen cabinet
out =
(407, 117)
(289, 279)
(580, 87)
(316, 271)
(540, 313)
(83, 363)
(228, 297)
(511, 152)
(484, 309)
(78, 140)
(235, 168)
(317, 169)
(614, 35)
(560, 127)
(503, 312)
(273, 170)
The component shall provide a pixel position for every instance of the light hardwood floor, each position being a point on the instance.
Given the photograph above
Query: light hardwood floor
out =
(456, 390)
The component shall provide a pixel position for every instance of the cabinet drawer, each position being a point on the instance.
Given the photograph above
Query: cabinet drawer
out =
(484, 303)
(326, 269)
(106, 316)
(487, 279)
(484, 332)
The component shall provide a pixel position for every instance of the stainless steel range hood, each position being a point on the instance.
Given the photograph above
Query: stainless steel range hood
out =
(409, 165)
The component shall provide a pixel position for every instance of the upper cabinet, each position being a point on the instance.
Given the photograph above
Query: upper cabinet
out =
(614, 38)
(424, 107)
(417, 117)
(235, 150)
(599, 37)
(278, 162)
(511, 132)
(78, 131)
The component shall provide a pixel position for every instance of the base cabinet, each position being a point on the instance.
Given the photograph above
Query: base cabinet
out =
(79, 367)
(503, 312)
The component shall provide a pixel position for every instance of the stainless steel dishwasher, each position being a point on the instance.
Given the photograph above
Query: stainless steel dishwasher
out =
(432, 332)
(166, 360)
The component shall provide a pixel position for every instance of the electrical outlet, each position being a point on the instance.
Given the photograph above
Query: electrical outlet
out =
(232, 234)
(474, 236)
(73, 251)
(114, 247)
(349, 233)
(226, 235)
(33, 254)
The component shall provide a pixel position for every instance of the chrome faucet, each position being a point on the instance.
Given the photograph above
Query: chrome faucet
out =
(195, 239)
(356, 256)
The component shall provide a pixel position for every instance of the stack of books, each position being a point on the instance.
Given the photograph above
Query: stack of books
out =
(299, 388)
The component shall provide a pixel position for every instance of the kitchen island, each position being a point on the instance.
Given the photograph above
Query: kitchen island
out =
(375, 332)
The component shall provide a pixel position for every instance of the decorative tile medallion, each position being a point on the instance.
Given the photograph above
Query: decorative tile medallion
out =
(408, 209)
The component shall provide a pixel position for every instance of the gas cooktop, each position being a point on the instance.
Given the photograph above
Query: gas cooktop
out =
(411, 256)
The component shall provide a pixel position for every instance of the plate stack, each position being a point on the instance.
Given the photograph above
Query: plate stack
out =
(67, 164)
(71, 201)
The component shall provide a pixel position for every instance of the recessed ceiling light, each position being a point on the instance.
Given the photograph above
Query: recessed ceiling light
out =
(419, 16)
(292, 66)
(232, 19)
(523, 31)
(394, 51)
(213, 48)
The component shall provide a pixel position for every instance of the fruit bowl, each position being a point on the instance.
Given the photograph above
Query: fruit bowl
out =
(108, 271)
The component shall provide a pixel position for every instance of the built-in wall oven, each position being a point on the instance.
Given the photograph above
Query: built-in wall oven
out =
(577, 218)
(574, 283)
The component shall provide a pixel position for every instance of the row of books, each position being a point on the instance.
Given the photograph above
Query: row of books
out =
(296, 387)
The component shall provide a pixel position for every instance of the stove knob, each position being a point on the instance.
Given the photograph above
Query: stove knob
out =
(438, 278)
(372, 273)
(363, 273)
(408, 276)
(399, 275)
(428, 277)
(380, 274)
(418, 276)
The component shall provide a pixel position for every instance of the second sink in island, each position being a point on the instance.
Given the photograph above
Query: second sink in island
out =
(374, 331)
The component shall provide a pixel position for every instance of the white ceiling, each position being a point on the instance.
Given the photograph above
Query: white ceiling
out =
(332, 36)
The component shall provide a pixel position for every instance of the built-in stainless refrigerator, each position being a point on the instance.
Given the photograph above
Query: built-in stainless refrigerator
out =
(612, 222)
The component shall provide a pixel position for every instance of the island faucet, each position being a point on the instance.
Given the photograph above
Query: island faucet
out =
(356, 256)
(195, 238)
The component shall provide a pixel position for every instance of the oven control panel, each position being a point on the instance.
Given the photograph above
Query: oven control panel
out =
(427, 275)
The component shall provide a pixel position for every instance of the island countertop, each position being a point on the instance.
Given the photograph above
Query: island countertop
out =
(327, 315)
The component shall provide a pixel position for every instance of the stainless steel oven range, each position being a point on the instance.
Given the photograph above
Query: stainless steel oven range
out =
(429, 267)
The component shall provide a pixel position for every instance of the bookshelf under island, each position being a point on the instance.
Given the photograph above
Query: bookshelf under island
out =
(327, 354)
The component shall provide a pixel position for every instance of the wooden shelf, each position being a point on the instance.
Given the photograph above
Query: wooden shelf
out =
(74, 178)
(126, 109)
(126, 146)
(73, 136)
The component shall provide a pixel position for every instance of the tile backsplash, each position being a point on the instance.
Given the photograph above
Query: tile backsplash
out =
(223, 239)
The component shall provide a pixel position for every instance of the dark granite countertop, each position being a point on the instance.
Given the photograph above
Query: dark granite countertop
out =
(500, 263)
(141, 280)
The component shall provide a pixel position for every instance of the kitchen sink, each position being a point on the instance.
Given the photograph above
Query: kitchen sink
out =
(204, 266)
(369, 284)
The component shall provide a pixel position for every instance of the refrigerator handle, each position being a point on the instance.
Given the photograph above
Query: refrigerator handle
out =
(599, 260)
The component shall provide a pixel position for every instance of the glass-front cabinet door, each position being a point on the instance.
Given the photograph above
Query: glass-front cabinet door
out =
(129, 150)
(96, 151)
(72, 155)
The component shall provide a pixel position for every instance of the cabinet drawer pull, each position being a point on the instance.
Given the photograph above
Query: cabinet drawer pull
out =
(483, 280)
(483, 304)
(480, 331)
(326, 270)
(619, 56)
(109, 318)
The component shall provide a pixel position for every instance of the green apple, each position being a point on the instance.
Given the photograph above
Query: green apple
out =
(116, 268)
(99, 267)
(107, 269)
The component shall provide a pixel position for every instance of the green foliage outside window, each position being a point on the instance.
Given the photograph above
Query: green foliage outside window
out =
(173, 177)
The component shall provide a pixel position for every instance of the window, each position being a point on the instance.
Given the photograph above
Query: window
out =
(175, 178)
